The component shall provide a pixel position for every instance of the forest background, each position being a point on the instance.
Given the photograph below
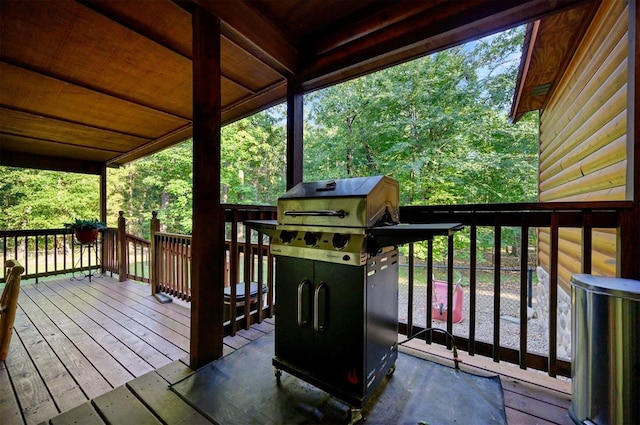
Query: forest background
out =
(437, 124)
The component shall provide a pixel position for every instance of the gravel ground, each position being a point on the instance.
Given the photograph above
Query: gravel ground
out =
(509, 316)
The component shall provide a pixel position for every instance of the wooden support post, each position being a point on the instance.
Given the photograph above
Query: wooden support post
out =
(153, 259)
(123, 265)
(207, 267)
(103, 211)
(295, 119)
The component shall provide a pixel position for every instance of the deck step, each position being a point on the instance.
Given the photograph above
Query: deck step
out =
(121, 406)
(166, 404)
(84, 414)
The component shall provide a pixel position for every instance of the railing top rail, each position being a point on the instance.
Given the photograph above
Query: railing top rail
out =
(34, 232)
(173, 235)
(136, 238)
(526, 207)
(239, 207)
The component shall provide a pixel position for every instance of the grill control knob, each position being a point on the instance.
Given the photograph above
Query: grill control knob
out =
(311, 238)
(287, 237)
(340, 240)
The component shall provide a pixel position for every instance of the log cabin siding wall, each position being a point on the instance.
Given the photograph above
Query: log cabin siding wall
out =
(583, 138)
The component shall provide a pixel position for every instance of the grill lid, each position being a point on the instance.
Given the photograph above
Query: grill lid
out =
(355, 202)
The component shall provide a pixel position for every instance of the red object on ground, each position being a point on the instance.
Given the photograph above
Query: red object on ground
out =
(439, 310)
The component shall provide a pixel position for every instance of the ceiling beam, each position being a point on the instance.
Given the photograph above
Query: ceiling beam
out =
(252, 31)
(423, 33)
(365, 23)
(156, 145)
(42, 162)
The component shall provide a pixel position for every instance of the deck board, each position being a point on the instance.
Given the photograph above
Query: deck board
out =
(121, 353)
(107, 365)
(146, 351)
(81, 368)
(141, 311)
(68, 333)
(164, 344)
(111, 299)
(60, 383)
(32, 395)
(9, 408)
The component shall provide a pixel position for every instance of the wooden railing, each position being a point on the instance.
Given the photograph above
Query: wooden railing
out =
(171, 273)
(45, 252)
(138, 258)
(524, 218)
(49, 252)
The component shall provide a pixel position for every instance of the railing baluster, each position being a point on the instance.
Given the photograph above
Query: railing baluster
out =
(553, 295)
(497, 264)
(473, 260)
(36, 256)
(260, 279)
(248, 259)
(410, 280)
(55, 251)
(26, 255)
(46, 253)
(429, 323)
(233, 271)
(449, 288)
(524, 281)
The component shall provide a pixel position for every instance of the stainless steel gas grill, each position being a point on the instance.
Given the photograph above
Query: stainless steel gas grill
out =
(335, 244)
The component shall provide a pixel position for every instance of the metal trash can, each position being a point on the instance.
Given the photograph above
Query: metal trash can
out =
(605, 340)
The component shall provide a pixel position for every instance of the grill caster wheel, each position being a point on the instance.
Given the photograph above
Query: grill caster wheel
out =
(391, 370)
(278, 374)
(356, 417)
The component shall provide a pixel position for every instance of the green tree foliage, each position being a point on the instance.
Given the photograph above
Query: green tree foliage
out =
(252, 172)
(438, 125)
(36, 199)
(253, 159)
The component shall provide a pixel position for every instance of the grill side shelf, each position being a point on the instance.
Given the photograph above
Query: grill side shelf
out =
(406, 233)
(267, 227)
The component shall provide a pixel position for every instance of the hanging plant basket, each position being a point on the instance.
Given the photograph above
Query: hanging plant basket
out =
(87, 235)
(86, 231)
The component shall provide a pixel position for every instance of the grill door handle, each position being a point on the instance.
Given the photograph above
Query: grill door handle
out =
(321, 303)
(304, 303)
(317, 213)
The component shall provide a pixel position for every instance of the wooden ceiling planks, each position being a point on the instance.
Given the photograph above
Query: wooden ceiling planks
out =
(164, 22)
(114, 78)
(85, 48)
(46, 96)
(52, 130)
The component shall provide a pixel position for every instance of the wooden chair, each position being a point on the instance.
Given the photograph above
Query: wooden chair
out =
(8, 305)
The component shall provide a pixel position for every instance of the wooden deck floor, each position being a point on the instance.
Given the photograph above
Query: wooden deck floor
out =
(106, 351)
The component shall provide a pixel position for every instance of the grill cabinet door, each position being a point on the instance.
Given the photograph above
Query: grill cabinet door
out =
(294, 321)
(340, 329)
(320, 325)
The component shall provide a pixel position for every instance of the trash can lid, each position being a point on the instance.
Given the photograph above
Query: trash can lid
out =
(613, 286)
(240, 291)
